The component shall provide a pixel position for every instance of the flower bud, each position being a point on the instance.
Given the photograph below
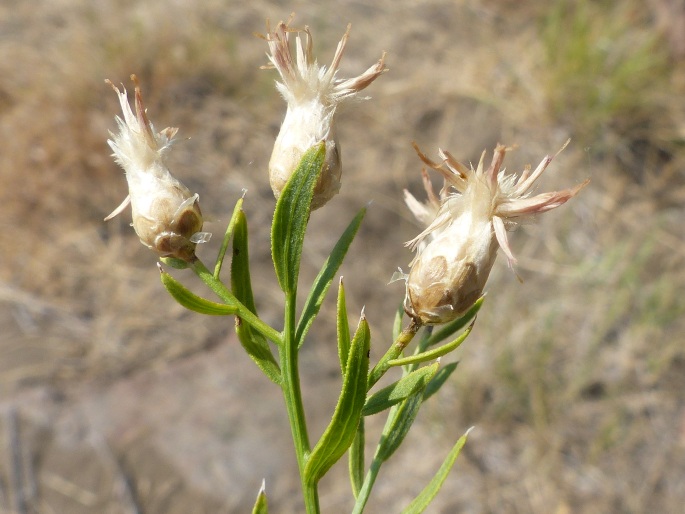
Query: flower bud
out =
(456, 252)
(312, 93)
(166, 215)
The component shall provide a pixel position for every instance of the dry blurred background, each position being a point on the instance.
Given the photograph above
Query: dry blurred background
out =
(113, 399)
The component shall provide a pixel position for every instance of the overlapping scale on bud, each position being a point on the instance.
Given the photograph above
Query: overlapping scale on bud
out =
(166, 215)
(313, 94)
(467, 224)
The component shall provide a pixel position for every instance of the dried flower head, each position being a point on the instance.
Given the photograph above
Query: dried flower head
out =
(455, 253)
(313, 94)
(166, 215)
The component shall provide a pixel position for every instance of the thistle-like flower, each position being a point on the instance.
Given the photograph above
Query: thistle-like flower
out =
(313, 94)
(166, 215)
(455, 253)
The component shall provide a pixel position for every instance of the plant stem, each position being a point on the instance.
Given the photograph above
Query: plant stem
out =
(376, 463)
(369, 481)
(376, 373)
(287, 347)
(393, 352)
(293, 402)
(225, 294)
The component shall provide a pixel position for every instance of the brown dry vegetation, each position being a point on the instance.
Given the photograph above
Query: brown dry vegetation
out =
(115, 399)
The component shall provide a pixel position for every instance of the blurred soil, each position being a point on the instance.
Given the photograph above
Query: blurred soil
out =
(113, 399)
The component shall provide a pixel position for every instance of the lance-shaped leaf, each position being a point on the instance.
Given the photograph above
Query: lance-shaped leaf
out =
(394, 393)
(342, 428)
(343, 329)
(227, 236)
(193, 302)
(291, 217)
(403, 416)
(325, 277)
(439, 379)
(434, 353)
(431, 490)
(255, 344)
(261, 506)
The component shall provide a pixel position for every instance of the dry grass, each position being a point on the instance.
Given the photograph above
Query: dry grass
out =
(574, 378)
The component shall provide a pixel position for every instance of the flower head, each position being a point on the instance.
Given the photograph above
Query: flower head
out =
(455, 253)
(313, 94)
(166, 215)
(426, 212)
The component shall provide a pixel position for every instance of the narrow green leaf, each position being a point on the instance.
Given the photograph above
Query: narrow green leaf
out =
(342, 428)
(439, 379)
(431, 490)
(291, 216)
(434, 353)
(227, 236)
(453, 326)
(261, 506)
(395, 393)
(343, 329)
(255, 344)
(241, 282)
(356, 459)
(325, 277)
(191, 301)
(403, 416)
(258, 349)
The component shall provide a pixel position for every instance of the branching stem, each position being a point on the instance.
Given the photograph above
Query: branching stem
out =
(225, 294)
(393, 352)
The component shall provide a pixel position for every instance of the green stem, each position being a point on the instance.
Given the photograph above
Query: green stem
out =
(293, 402)
(287, 347)
(376, 463)
(369, 481)
(393, 352)
(376, 373)
(225, 294)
